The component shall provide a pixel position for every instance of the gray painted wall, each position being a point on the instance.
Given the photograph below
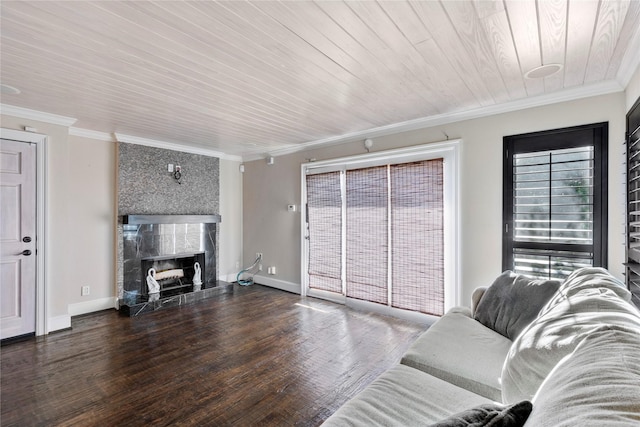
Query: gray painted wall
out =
(268, 227)
(145, 186)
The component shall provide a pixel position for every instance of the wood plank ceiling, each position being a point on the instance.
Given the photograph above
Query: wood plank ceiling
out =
(246, 78)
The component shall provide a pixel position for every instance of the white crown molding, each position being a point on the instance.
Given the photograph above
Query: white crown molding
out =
(92, 134)
(25, 113)
(173, 146)
(630, 61)
(627, 68)
(565, 95)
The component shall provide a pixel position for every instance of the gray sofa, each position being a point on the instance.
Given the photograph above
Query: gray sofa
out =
(572, 349)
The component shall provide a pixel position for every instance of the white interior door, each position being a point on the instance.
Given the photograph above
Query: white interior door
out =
(17, 238)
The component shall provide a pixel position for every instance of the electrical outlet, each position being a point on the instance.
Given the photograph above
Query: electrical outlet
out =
(237, 264)
(258, 255)
(271, 270)
(85, 291)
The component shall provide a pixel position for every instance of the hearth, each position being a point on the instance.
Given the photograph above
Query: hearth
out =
(161, 255)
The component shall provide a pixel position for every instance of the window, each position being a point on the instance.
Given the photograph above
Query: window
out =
(555, 201)
(376, 229)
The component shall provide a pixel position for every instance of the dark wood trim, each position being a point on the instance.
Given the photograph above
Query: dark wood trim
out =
(507, 203)
(596, 135)
(632, 257)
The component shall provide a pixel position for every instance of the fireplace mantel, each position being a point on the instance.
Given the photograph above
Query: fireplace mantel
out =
(171, 219)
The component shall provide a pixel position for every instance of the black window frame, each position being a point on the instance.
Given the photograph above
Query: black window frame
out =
(596, 135)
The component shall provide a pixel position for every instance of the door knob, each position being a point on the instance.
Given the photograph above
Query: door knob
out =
(26, 239)
(26, 252)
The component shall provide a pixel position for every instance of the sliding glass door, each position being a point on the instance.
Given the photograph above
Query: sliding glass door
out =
(377, 234)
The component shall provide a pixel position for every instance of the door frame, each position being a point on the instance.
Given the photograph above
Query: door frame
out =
(41, 220)
(450, 151)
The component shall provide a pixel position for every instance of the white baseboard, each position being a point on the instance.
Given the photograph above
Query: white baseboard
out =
(59, 322)
(412, 316)
(278, 284)
(92, 306)
(325, 295)
(229, 277)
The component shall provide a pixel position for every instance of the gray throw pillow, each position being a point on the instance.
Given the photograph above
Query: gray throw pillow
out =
(512, 302)
(490, 415)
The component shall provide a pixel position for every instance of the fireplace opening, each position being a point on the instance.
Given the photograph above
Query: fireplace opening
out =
(169, 247)
(173, 273)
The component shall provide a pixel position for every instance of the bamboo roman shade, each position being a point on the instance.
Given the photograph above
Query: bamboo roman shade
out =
(417, 226)
(393, 234)
(367, 234)
(324, 210)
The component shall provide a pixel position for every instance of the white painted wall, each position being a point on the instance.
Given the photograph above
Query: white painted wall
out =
(91, 202)
(270, 229)
(633, 89)
(230, 239)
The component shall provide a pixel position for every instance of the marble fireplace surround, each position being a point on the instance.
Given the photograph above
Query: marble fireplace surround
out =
(168, 238)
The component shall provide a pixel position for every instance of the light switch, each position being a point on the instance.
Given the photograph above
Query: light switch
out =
(170, 167)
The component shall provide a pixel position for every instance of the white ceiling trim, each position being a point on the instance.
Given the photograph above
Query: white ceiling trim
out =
(92, 134)
(173, 146)
(25, 113)
(565, 95)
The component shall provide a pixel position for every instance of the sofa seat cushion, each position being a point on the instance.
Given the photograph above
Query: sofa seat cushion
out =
(597, 385)
(462, 351)
(403, 396)
(557, 333)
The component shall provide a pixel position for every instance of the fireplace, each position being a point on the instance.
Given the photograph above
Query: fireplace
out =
(169, 248)
(174, 273)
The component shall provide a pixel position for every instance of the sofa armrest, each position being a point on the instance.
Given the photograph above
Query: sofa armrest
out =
(476, 297)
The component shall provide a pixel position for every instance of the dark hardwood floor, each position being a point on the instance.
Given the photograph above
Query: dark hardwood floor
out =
(258, 356)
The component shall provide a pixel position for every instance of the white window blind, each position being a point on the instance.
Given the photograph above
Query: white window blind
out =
(324, 208)
(553, 204)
